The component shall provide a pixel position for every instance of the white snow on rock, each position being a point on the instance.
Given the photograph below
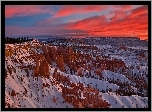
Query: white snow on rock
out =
(38, 97)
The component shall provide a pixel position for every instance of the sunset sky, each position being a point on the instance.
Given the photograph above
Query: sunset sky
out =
(76, 20)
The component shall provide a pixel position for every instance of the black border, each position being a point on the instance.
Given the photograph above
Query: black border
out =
(3, 3)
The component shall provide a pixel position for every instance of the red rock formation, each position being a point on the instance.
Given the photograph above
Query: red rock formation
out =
(60, 62)
(13, 93)
(122, 47)
(36, 68)
(42, 70)
(138, 67)
(54, 100)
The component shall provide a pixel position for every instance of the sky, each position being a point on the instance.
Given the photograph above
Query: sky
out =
(77, 20)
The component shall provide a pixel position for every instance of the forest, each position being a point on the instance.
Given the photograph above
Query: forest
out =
(9, 40)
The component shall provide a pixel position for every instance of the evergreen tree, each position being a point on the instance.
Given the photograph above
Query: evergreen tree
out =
(10, 41)
(19, 40)
(7, 39)
(22, 39)
(13, 40)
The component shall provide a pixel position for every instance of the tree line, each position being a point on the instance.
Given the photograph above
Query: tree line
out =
(17, 40)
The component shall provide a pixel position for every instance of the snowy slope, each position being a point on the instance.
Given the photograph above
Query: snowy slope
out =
(24, 90)
(126, 101)
(33, 87)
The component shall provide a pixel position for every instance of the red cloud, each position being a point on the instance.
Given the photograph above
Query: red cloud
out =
(69, 10)
(119, 14)
(139, 11)
(24, 10)
(89, 23)
(135, 24)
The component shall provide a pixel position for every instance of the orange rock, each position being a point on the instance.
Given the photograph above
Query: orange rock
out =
(36, 68)
(80, 105)
(54, 100)
(101, 104)
(13, 93)
(138, 67)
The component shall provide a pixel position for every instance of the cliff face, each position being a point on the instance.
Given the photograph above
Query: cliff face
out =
(43, 76)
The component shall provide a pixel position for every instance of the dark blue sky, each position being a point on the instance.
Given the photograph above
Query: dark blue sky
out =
(26, 21)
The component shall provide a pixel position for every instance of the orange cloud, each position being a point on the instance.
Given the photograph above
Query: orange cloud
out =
(69, 10)
(24, 10)
(135, 24)
(121, 24)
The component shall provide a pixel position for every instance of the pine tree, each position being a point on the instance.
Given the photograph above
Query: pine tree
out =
(10, 40)
(21, 39)
(7, 39)
(13, 40)
(18, 40)
(24, 39)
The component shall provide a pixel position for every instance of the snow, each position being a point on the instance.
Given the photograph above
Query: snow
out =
(111, 75)
(126, 101)
(34, 97)
(138, 47)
